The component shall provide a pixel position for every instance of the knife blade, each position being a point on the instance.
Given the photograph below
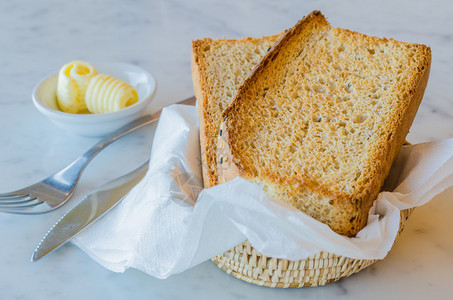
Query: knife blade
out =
(92, 207)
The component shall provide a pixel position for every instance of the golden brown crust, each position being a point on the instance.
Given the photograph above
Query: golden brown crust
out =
(397, 131)
(314, 17)
(200, 86)
(352, 206)
(202, 73)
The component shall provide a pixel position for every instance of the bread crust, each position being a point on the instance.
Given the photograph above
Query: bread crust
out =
(360, 200)
(208, 124)
(200, 87)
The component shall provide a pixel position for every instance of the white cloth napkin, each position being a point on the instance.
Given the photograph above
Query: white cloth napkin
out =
(168, 223)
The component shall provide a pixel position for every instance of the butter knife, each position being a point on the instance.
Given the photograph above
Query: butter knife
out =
(91, 208)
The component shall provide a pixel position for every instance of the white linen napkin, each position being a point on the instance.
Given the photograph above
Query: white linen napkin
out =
(168, 223)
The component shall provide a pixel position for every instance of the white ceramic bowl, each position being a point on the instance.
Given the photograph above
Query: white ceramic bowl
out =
(97, 125)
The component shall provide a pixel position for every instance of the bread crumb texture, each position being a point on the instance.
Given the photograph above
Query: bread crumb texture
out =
(219, 67)
(323, 116)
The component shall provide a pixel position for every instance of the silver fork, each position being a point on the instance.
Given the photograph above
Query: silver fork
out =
(55, 190)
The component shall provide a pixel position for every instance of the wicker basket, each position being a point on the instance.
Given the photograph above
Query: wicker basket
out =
(247, 264)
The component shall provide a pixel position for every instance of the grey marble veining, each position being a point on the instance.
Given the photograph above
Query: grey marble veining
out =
(37, 37)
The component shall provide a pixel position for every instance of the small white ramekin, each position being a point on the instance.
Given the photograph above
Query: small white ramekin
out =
(97, 125)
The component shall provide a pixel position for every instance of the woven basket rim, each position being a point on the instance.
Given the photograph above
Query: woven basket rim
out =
(246, 263)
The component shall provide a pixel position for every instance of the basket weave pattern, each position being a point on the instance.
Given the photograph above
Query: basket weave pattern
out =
(247, 264)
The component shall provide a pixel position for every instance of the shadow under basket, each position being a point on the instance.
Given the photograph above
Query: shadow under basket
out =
(245, 263)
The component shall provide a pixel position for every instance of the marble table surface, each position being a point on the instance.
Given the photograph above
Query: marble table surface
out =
(38, 37)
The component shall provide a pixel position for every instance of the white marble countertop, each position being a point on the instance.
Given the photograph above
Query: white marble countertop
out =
(38, 37)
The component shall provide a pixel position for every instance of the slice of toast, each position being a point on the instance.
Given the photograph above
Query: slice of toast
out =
(322, 117)
(218, 69)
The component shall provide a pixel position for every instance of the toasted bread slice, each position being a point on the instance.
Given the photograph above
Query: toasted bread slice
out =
(322, 117)
(218, 69)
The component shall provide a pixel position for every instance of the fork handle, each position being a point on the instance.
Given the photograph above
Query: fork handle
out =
(69, 174)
